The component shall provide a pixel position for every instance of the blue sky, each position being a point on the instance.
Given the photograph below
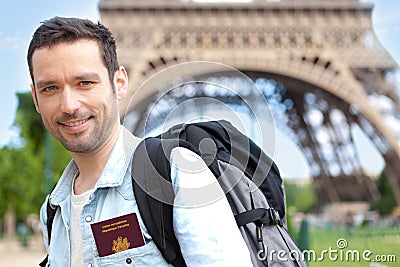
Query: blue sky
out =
(19, 19)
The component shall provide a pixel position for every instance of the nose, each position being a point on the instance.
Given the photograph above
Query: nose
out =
(70, 101)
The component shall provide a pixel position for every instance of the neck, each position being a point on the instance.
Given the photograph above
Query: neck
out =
(90, 165)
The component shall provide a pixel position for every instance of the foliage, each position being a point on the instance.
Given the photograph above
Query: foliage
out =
(18, 185)
(22, 186)
(29, 122)
(386, 202)
(300, 196)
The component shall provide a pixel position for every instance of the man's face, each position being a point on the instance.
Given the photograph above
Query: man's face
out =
(74, 95)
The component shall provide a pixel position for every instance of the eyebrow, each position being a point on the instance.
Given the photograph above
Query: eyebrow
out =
(42, 84)
(80, 77)
(87, 76)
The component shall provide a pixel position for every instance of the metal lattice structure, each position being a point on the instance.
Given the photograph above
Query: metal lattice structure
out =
(324, 53)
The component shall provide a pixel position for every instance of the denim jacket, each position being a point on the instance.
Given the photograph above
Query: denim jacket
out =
(204, 241)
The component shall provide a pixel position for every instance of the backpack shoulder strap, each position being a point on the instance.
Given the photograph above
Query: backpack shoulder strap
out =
(51, 212)
(151, 182)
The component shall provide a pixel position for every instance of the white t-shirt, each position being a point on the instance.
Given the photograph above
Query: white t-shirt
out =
(77, 203)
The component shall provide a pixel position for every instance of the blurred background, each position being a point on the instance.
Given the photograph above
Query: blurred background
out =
(327, 70)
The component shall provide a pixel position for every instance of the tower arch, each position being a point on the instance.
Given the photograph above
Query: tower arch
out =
(329, 46)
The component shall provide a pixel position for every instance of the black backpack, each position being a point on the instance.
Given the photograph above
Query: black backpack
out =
(256, 196)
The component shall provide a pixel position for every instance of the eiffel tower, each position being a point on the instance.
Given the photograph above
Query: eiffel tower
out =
(323, 53)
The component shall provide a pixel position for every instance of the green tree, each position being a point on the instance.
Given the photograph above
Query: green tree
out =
(32, 131)
(22, 184)
(300, 196)
(20, 181)
(386, 202)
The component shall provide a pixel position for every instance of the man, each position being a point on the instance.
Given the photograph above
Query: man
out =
(76, 85)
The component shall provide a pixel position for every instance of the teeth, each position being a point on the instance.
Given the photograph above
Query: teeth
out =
(76, 123)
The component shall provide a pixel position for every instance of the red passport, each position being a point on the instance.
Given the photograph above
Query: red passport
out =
(117, 234)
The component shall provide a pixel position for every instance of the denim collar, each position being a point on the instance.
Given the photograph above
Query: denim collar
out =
(112, 175)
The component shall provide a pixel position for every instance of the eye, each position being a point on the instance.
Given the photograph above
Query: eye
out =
(85, 83)
(49, 89)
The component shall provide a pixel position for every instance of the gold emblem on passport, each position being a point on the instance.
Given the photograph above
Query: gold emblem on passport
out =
(117, 234)
(120, 244)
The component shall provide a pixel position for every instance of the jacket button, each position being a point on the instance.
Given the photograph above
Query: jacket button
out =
(88, 218)
(129, 260)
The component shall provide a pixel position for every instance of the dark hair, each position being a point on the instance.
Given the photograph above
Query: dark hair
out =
(67, 30)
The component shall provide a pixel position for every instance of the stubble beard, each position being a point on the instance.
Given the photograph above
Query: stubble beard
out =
(99, 134)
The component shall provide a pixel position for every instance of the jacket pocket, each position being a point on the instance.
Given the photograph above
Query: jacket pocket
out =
(147, 255)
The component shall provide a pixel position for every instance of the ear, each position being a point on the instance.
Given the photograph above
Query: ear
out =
(121, 82)
(34, 97)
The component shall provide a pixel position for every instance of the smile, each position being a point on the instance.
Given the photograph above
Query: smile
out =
(75, 123)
